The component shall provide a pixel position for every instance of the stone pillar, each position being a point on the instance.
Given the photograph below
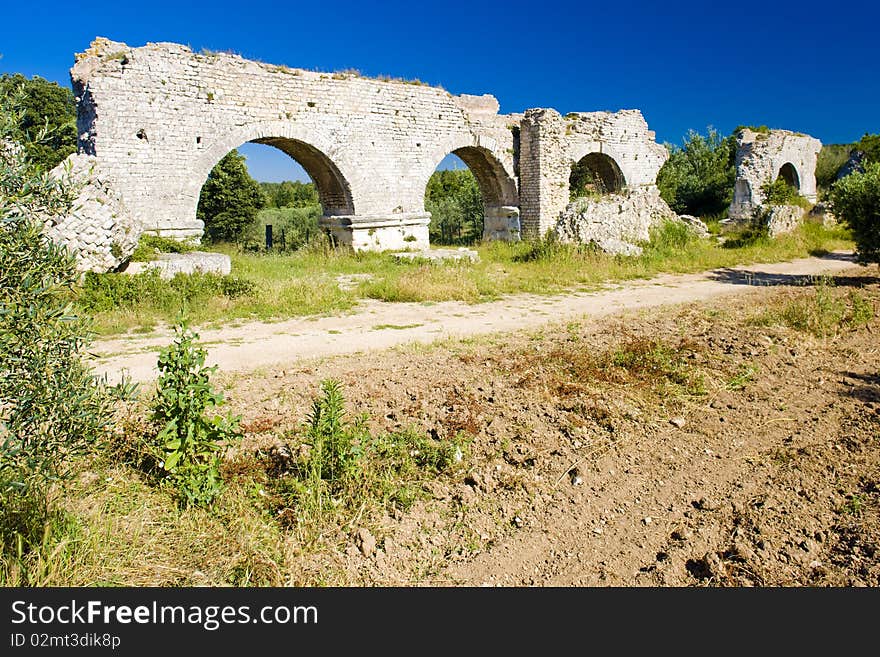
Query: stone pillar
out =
(760, 156)
(544, 171)
(379, 232)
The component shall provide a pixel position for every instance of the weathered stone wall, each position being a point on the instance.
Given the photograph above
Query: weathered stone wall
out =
(99, 229)
(782, 219)
(551, 144)
(762, 157)
(160, 117)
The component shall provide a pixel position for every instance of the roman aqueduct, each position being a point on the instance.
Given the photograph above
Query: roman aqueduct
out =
(154, 120)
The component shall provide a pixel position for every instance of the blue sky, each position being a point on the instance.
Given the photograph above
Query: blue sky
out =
(797, 65)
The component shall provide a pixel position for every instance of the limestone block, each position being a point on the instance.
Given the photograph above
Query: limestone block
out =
(616, 223)
(783, 219)
(170, 264)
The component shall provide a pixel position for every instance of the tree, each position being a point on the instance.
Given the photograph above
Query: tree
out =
(856, 201)
(230, 199)
(51, 406)
(44, 107)
(831, 158)
(870, 146)
(698, 178)
(453, 198)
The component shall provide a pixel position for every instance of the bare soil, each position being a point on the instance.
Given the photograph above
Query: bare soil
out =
(756, 462)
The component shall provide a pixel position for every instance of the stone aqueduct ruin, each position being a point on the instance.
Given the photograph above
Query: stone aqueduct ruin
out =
(154, 120)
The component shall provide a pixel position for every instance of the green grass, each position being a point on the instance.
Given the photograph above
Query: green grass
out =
(823, 312)
(304, 282)
(114, 527)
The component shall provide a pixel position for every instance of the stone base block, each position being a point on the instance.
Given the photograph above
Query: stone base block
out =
(502, 223)
(171, 264)
(379, 233)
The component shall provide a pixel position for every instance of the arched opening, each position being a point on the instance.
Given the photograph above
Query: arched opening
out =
(790, 175)
(469, 196)
(595, 174)
(260, 199)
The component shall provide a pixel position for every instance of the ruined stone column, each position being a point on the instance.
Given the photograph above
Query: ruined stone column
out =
(764, 155)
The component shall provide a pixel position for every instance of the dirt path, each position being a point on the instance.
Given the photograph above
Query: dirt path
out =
(379, 325)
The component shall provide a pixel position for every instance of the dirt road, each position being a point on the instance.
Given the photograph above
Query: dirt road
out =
(378, 325)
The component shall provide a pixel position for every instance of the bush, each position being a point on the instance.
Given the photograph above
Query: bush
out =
(190, 440)
(667, 239)
(453, 198)
(293, 228)
(779, 192)
(870, 146)
(856, 201)
(831, 158)
(104, 292)
(51, 407)
(340, 467)
(151, 246)
(698, 178)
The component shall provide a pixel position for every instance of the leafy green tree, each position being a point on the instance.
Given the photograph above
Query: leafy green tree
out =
(856, 201)
(51, 407)
(780, 192)
(831, 158)
(46, 109)
(230, 199)
(453, 198)
(870, 146)
(290, 194)
(698, 177)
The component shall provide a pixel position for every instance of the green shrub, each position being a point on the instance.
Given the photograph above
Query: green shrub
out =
(51, 407)
(698, 178)
(870, 146)
(105, 292)
(293, 228)
(583, 182)
(856, 201)
(191, 439)
(151, 246)
(668, 238)
(342, 468)
(831, 158)
(453, 198)
(779, 192)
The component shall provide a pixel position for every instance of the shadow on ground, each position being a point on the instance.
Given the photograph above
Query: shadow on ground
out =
(749, 277)
(869, 391)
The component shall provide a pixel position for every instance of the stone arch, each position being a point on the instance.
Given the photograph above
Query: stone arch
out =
(497, 189)
(790, 175)
(313, 150)
(597, 172)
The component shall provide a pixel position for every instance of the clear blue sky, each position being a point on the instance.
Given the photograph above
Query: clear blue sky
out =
(806, 66)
